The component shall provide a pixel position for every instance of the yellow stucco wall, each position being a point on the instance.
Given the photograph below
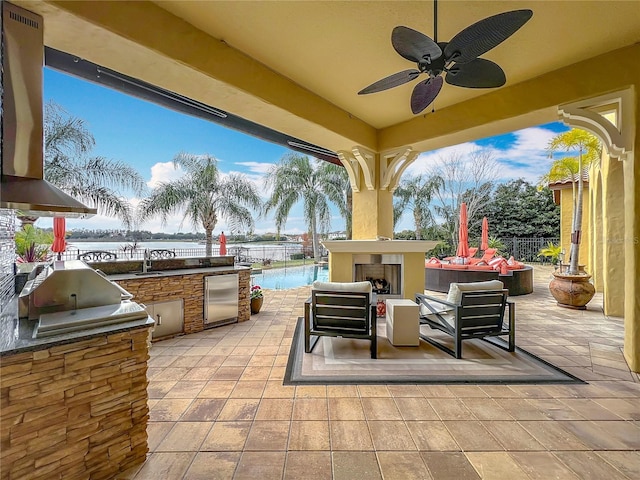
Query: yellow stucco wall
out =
(631, 252)
(372, 213)
(613, 234)
(595, 228)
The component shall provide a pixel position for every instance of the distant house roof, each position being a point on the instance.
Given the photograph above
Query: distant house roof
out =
(568, 180)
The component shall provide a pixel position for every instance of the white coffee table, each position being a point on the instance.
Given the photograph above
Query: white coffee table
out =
(403, 324)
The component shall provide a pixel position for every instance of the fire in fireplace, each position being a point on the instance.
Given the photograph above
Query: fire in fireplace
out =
(383, 271)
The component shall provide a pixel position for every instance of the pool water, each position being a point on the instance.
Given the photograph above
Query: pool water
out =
(283, 278)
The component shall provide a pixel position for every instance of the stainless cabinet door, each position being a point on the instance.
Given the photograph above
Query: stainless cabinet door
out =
(169, 317)
(220, 298)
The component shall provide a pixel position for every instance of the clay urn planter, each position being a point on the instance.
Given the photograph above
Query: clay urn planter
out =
(256, 304)
(572, 291)
(256, 298)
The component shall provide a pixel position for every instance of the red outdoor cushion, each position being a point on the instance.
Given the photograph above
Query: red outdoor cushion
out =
(496, 261)
(433, 262)
(454, 266)
(481, 267)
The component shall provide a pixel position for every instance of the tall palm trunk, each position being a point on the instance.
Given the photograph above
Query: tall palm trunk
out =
(572, 247)
(417, 219)
(209, 241)
(577, 222)
(314, 239)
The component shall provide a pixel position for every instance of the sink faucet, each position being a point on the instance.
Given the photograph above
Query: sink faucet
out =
(146, 264)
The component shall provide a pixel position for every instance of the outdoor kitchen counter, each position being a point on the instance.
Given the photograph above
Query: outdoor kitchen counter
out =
(187, 287)
(227, 269)
(16, 334)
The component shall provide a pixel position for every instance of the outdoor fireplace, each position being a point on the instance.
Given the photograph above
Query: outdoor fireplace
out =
(383, 271)
(398, 262)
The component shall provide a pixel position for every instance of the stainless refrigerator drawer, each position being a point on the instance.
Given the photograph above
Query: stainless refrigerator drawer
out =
(169, 317)
(220, 298)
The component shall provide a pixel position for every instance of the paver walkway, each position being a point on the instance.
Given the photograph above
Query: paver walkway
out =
(219, 409)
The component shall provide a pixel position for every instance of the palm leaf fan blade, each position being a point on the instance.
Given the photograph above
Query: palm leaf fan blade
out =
(484, 35)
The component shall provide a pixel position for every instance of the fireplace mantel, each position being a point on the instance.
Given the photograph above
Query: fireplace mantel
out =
(379, 246)
(342, 253)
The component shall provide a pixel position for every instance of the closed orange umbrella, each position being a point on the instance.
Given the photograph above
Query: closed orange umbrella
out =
(463, 233)
(484, 241)
(59, 242)
(223, 244)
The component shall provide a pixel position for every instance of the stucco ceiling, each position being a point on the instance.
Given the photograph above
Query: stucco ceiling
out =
(296, 66)
(336, 48)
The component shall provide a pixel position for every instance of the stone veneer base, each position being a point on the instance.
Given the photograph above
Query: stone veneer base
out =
(190, 288)
(78, 410)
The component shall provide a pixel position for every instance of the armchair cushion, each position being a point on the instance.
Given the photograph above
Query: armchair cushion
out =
(343, 286)
(455, 289)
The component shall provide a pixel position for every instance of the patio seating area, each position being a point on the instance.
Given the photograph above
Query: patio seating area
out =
(218, 408)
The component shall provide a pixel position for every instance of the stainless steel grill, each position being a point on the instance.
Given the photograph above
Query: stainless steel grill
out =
(70, 295)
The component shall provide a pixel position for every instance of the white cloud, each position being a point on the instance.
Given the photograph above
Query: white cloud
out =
(527, 156)
(426, 160)
(256, 167)
(164, 172)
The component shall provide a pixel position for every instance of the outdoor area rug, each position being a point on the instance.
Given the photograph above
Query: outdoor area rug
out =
(348, 361)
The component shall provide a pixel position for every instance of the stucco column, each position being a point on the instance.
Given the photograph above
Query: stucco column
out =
(372, 214)
(374, 177)
(596, 229)
(631, 252)
(613, 227)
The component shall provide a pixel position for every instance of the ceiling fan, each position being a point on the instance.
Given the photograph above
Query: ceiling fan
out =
(457, 59)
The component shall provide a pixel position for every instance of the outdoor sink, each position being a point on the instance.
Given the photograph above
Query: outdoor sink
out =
(143, 274)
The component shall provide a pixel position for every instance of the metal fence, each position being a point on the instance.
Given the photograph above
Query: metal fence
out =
(135, 254)
(243, 254)
(527, 249)
(522, 249)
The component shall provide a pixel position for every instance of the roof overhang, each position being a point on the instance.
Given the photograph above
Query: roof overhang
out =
(295, 67)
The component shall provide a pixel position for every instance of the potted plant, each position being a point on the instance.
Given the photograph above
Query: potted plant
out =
(572, 288)
(257, 297)
(495, 242)
(552, 252)
(32, 247)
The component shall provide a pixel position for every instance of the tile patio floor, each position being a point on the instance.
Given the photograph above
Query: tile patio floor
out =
(219, 409)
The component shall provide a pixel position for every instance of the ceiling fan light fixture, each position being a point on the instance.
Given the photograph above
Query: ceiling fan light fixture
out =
(458, 59)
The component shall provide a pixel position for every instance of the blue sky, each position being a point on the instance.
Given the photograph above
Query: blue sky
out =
(147, 137)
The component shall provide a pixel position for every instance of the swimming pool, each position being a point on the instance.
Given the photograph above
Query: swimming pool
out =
(283, 278)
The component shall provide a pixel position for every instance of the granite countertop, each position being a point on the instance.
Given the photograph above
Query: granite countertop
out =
(16, 335)
(182, 271)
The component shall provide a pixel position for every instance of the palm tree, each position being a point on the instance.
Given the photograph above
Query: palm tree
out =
(572, 168)
(416, 193)
(337, 187)
(295, 178)
(205, 196)
(93, 180)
